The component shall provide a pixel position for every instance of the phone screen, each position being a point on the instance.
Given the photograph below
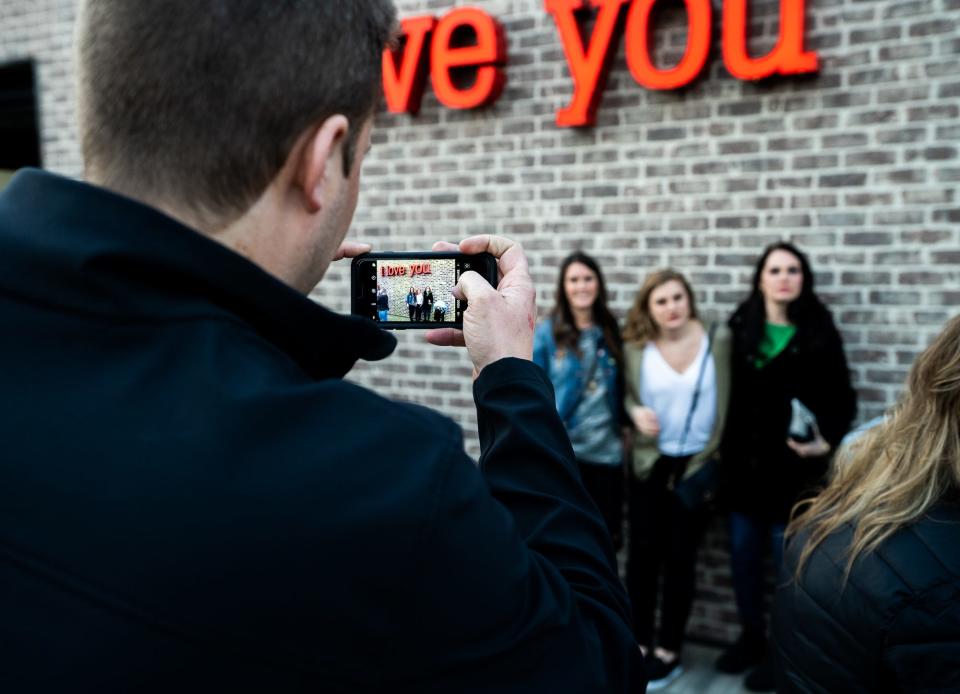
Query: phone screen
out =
(404, 292)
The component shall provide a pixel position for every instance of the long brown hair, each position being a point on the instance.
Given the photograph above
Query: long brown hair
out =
(806, 312)
(640, 327)
(565, 332)
(893, 474)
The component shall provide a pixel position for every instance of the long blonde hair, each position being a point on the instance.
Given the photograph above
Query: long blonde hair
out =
(895, 473)
(640, 327)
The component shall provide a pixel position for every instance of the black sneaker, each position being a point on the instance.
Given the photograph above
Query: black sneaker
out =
(762, 679)
(744, 654)
(661, 673)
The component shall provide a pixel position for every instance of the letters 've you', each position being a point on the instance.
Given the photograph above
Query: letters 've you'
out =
(589, 58)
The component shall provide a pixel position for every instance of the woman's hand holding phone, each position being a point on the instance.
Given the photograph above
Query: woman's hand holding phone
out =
(811, 449)
(498, 322)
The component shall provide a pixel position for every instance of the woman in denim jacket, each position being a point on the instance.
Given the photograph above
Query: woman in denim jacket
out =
(579, 347)
(412, 303)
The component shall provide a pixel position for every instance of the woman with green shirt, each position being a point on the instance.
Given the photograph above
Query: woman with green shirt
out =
(788, 362)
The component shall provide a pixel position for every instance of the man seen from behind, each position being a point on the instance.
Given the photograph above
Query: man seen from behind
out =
(191, 496)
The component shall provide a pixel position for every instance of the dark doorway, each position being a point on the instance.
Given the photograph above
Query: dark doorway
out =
(19, 130)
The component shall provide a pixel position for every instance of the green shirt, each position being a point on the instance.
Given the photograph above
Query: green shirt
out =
(775, 339)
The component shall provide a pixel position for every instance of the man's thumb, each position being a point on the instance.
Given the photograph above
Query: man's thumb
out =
(472, 286)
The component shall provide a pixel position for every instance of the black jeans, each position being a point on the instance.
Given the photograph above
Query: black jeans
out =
(605, 483)
(664, 539)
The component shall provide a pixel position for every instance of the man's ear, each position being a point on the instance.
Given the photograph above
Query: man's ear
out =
(321, 150)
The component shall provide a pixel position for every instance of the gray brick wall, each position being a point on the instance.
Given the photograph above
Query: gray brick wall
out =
(42, 31)
(858, 165)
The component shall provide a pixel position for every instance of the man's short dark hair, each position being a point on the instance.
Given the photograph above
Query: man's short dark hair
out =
(199, 102)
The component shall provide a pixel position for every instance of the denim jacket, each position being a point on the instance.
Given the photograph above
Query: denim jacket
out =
(567, 374)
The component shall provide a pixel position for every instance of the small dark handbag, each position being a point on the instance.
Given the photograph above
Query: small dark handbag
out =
(696, 491)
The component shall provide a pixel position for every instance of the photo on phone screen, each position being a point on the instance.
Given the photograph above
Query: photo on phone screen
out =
(414, 290)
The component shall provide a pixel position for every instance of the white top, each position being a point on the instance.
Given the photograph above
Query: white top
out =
(669, 394)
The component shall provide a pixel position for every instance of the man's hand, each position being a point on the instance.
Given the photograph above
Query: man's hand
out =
(646, 421)
(498, 323)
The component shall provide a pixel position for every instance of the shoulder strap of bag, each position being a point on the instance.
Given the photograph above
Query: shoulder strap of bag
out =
(696, 390)
(575, 403)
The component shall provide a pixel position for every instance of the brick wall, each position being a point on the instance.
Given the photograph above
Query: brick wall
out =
(42, 31)
(858, 165)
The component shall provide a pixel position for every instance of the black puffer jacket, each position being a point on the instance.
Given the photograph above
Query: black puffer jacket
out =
(895, 625)
(762, 476)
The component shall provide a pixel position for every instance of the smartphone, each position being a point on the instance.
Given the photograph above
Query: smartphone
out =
(414, 290)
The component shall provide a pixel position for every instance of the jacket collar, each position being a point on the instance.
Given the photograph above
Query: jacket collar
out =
(81, 248)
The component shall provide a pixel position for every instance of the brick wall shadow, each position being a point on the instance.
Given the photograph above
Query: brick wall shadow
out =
(714, 614)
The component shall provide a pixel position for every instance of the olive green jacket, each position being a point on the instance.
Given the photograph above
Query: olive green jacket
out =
(645, 451)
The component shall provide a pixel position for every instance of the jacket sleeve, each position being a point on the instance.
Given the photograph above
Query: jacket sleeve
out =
(923, 642)
(519, 576)
(631, 363)
(722, 356)
(837, 400)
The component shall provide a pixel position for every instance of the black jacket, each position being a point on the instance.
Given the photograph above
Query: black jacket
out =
(761, 475)
(895, 626)
(192, 499)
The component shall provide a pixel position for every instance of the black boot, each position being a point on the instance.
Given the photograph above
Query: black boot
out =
(749, 650)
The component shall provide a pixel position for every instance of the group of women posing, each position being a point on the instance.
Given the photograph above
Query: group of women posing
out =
(420, 304)
(701, 409)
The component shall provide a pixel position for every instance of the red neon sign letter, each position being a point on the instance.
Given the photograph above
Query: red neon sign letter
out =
(488, 56)
(589, 67)
(638, 46)
(588, 58)
(787, 58)
(403, 92)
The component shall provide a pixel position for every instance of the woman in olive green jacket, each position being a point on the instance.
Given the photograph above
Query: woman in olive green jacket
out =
(677, 373)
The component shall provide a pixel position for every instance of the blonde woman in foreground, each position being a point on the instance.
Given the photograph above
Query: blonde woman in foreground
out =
(875, 601)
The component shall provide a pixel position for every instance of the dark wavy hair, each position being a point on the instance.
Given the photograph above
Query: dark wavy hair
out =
(565, 332)
(806, 311)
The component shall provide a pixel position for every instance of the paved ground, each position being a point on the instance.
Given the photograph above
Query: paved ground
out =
(699, 677)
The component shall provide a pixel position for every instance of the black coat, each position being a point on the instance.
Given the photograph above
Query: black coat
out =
(193, 499)
(894, 627)
(761, 475)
